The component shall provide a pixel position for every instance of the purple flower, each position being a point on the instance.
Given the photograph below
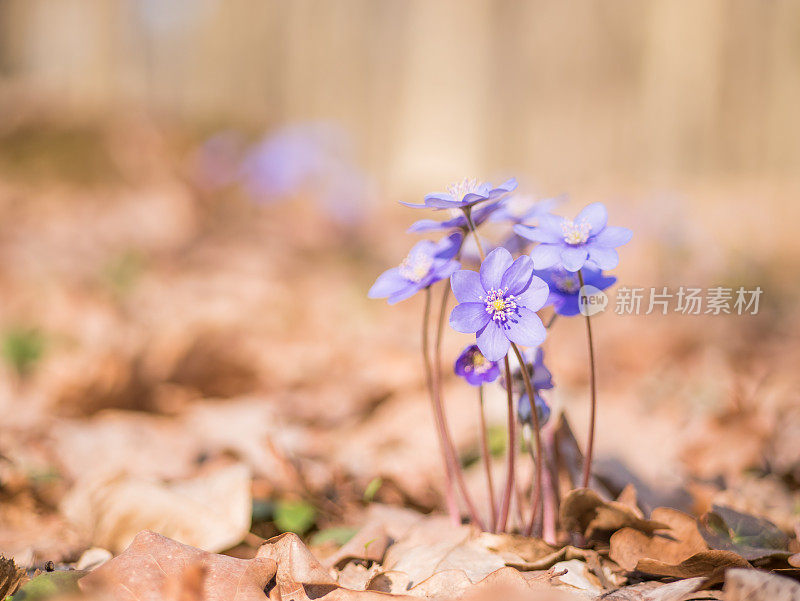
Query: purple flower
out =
(571, 243)
(520, 208)
(524, 410)
(466, 193)
(499, 304)
(426, 263)
(565, 287)
(541, 378)
(475, 368)
(459, 221)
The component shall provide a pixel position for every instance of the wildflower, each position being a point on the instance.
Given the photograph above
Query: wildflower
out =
(565, 287)
(524, 410)
(464, 194)
(541, 378)
(571, 243)
(458, 221)
(499, 304)
(475, 368)
(426, 263)
(520, 208)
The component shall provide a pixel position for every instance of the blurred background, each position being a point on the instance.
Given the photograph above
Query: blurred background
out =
(195, 197)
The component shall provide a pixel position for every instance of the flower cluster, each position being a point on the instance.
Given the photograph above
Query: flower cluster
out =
(542, 261)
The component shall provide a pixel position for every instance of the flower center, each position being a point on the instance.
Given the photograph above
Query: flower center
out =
(460, 189)
(415, 267)
(566, 282)
(499, 304)
(479, 363)
(575, 233)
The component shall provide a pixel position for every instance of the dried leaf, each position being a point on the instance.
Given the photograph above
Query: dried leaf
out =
(585, 512)
(710, 564)
(751, 537)
(752, 585)
(680, 542)
(794, 560)
(369, 544)
(11, 577)
(153, 563)
(210, 512)
(654, 591)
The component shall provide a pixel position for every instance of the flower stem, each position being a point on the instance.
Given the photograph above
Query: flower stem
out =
(468, 215)
(512, 450)
(536, 493)
(487, 461)
(587, 467)
(449, 448)
(449, 490)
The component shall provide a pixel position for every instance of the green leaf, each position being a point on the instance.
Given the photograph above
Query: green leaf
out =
(48, 585)
(372, 489)
(295, 516)
(22, 348)
(338, 535)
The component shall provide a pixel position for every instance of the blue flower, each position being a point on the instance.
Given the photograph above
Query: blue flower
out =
(521, 208)
(426, 263)
(459, 221)
(565, 287)
(524, 410)
(475, 368)
(571, 243)
(464, 194)
(541, 378)
(499, 304)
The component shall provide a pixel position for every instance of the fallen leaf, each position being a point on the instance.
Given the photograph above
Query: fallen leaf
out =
(752, 537)
(680, 542)
(578, 575)
(369, 545)
(50, 584)
(753, 585)
(211, 512)
(11, 577)
(794, 560)
(153, 562)
(710, 564)
(654, 591)
(583, 511)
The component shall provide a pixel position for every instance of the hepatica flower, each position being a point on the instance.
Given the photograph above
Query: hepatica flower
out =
(499, 304)
(565, 287)
(426, 263)
(475, 368)
(464, 194)
(571, 243)
(524, 410)
(541, 378)
(458, 221)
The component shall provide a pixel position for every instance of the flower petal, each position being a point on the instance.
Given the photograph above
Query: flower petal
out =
(442, 269)
(388, 283)
(604, 258)
(467, 286)
(538, 234)
(518, 276)
(414, 205)
(469, 317)
(613, 236)
(573, 258)
(545, 255)
(426, 225)
(534, 297)
(441, 201)
(407, 292)
(507, 186)
(595, 215)
(448, 247)
(525, 328)
(493, 342)
(493, 268)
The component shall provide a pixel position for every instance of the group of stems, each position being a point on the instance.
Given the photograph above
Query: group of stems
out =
(454, 476)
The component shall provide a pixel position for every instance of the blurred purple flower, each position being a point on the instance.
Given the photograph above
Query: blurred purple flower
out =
(571, 243)
(459, 221)
(524, 410)
(466, 193)
(521, 208)
(565, 287)
(499, 304)
(475, 368)
(426, 263)
(541, 378)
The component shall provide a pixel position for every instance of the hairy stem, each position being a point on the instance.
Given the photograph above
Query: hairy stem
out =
(487, 462)
(449, 448)
(536, 493)
(587, 466)
(473, 229)
(509, 489)
(449, 490)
